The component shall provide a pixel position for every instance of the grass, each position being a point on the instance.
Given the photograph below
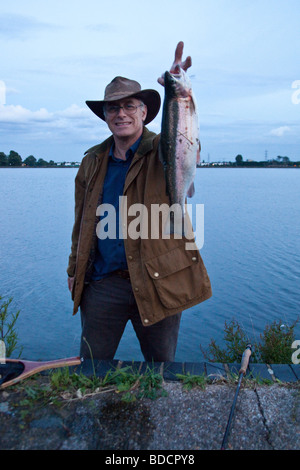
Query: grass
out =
(190, 381)
(8, 332)
(63, 387)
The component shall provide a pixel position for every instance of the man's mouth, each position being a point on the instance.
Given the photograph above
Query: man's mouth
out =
(123, 123)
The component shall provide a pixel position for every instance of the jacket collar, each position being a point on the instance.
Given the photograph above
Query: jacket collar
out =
(103, 149)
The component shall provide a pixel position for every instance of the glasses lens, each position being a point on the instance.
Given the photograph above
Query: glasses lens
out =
(130, 108)
(110, 109)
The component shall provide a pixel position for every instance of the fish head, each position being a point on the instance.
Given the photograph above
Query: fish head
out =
(177, 84)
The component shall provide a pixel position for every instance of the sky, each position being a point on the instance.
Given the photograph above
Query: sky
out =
(245, 71)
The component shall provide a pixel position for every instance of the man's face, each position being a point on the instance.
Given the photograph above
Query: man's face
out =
(123, 123)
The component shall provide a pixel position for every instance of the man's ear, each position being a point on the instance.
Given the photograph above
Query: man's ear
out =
(145, 111)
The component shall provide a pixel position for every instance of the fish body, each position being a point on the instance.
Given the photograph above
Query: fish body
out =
(179, 143)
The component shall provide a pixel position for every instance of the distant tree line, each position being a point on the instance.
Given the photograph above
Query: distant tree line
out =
(278, 161)
(14, 159)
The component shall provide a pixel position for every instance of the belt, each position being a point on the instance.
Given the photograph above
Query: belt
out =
(123, 273)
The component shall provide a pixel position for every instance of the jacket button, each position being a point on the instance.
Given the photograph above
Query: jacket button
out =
(146, 320)
(136, 289)
(194, 258)
(156, 274)
(130, 257)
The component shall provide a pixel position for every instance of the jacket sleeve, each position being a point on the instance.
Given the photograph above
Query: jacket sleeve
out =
(80, 185)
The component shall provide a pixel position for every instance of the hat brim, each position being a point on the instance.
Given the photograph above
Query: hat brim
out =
(151, 98)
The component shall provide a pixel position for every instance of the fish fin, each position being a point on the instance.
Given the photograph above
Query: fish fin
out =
(191, 190)
(161, 80)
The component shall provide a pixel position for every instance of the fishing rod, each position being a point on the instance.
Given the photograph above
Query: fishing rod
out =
(242, 372)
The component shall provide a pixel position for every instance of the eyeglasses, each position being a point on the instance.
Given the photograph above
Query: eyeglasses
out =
(113, 110)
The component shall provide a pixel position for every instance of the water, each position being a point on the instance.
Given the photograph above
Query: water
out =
(251, 251)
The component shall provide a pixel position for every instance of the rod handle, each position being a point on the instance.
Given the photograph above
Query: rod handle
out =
(245, 360)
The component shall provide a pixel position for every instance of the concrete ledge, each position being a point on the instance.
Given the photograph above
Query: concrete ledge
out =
(266, 417)
(169, 370)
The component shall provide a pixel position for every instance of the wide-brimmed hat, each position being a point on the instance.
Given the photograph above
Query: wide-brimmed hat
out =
(120, 88)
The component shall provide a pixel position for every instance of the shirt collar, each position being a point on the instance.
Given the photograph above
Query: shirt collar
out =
(130, 152)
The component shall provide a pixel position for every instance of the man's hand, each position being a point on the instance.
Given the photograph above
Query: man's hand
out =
(178, 59)
(178, 62)
(70, 283)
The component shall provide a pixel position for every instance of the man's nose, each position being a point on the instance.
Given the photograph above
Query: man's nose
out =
(121, 111)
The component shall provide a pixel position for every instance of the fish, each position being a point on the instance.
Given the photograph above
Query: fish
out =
(179, 148)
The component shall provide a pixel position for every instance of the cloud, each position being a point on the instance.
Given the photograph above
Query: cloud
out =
(74, 112)
(72, 124)
(15, 26)
(19, 114)
(280, 131)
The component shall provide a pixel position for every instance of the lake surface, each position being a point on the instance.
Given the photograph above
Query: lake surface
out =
(251, 251)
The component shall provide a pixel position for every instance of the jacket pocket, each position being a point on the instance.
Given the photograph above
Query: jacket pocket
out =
(174, 278)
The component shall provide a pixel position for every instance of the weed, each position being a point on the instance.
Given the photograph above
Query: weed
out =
(8, 334)
(277, 339)
(64, 386)
(151, 385)
(189, 381)
(274, 346)
(148, 384)
(236, 342)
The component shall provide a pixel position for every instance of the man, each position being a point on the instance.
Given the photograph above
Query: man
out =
(121, 278)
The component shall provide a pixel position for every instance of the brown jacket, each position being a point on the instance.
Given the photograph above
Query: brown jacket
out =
(166, 278)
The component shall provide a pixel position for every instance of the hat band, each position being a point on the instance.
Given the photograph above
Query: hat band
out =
(120, 95)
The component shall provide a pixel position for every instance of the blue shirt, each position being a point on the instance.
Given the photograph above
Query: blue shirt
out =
(110, 255)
